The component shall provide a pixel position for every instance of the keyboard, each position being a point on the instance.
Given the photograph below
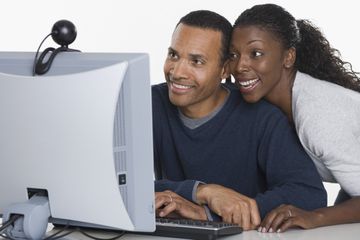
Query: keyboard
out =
(194, 229)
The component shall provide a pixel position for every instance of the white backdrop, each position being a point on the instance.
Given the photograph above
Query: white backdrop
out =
(146, 26)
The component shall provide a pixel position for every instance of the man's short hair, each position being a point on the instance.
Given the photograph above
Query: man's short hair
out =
(210, 20)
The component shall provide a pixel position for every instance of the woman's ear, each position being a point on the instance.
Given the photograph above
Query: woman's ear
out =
(290, 57)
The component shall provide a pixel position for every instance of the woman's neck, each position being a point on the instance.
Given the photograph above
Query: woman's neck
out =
(281, 94)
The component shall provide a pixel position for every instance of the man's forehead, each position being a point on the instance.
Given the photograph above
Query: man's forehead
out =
(196, 30)
(195, 39)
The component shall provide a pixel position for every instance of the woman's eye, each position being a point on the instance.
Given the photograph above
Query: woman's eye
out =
(257, 54)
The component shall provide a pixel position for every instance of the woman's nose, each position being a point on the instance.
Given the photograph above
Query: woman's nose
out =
(242, 65)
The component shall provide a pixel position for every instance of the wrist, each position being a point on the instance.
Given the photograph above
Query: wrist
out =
(318, 219)
(201, 194)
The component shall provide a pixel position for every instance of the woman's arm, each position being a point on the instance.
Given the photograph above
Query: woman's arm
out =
(330, 134)
(288, 216)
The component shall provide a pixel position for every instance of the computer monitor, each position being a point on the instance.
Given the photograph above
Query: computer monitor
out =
(82, 133)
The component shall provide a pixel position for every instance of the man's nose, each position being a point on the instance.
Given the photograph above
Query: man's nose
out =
(180, 69)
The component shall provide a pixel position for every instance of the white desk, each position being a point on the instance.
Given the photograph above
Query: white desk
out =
(338, 232)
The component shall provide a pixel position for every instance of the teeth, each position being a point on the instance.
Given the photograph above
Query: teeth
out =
(181, 86)
(248, 83)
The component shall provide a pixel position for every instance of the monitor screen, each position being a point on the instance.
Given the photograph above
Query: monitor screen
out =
(82, 133)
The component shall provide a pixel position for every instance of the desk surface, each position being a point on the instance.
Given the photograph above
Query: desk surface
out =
(338, 232)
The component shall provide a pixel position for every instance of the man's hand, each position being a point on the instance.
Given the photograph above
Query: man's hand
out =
(288, 216)
(232, 206)
(168, 203)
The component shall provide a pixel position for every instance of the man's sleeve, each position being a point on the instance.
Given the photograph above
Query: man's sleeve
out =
(290, 174)
(183, 188)
(186, 189)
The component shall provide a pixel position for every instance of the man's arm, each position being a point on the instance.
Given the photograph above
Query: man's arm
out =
(290, 174)
(232, 206)
(291, 177)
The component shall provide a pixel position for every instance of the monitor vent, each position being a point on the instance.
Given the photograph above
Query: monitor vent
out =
(120, 148)
(123, 192)
(120, 161)
(119, 129)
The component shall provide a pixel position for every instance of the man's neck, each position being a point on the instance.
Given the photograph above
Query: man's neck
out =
(204, 108)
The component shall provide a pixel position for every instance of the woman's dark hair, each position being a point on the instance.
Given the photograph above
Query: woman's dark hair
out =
(206, 19)
(314, 55)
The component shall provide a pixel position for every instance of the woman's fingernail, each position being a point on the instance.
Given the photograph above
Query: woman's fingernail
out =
(271, 230)
(259, 229)
(278, 230)
(263, 230)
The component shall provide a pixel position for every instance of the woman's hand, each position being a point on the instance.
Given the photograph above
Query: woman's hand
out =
(287, 216)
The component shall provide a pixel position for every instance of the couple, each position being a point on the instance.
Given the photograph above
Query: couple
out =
(223, 153)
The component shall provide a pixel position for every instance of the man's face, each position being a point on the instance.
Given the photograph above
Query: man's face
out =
(193, 68)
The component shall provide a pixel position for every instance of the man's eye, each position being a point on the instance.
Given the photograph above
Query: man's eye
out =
(172, 55)
(233, 56)
(198, 62)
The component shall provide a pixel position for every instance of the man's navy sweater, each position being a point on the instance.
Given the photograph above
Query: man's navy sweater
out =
(250, 148)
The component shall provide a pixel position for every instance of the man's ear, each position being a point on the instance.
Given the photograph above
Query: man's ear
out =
(225, 72)
(290, 58)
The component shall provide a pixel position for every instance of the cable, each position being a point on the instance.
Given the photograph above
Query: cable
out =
(7, 237)
(4, 236)
(11, 220)
(37, 52)
(53, 236)
(96, 238)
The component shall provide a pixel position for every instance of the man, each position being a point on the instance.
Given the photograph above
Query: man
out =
(216, 155)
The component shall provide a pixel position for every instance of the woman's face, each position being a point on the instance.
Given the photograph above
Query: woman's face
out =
(257, 62)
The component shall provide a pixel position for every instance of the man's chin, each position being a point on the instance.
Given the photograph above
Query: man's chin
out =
(178, 101)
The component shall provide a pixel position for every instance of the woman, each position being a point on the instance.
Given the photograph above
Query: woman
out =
(275, 57)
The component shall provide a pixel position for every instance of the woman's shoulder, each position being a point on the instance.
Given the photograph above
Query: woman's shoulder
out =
(323, 104)
(322, 109)
(320, 90)
(314, 96)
